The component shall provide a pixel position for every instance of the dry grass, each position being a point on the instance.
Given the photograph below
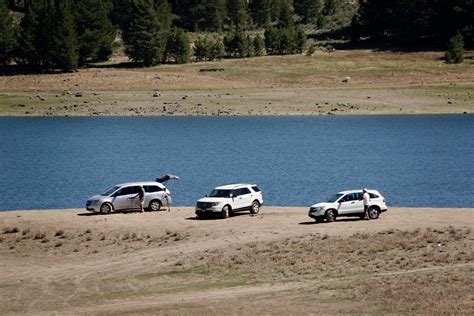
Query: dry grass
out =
(381, 82)
(274, 263)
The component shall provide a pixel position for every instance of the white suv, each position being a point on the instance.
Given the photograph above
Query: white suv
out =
(348, 203)
(125, 197)
(230, 198)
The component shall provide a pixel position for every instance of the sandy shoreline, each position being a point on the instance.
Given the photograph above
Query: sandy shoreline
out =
(74, 262)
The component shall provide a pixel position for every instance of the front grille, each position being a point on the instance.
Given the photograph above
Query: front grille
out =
(203, 205)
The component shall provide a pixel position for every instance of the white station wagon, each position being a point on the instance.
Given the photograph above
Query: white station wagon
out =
(348, 203)
(227, 199)
(124, 197)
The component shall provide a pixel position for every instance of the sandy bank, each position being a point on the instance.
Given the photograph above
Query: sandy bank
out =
(281, 261)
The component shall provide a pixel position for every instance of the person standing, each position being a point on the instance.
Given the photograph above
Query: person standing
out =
(141, 196)
(366, 198)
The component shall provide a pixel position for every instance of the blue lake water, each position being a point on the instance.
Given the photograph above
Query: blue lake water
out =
(412, 160)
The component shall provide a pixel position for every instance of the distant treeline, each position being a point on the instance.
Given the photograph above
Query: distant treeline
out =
(411, 21)
(47, 35)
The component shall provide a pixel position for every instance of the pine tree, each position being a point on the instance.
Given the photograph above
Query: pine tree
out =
(258, 45)
(7, 35)
(95, 32)
(308, 10)
(178, 48)
(141, 35)
(455, 53)
(300, 39)
(47, 38)
(238, 14)
(202, 49)
(217, 49)
(286, 19)
(260, 11)
(272, 40)
(30, 35)
(63, 50)
(287, 41)
(208, 15)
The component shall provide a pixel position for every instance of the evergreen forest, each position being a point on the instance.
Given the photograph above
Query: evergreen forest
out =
(63, 35)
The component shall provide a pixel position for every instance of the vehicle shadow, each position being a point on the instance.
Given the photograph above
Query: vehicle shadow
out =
(123, 212)
(352, 219)
(215, 217)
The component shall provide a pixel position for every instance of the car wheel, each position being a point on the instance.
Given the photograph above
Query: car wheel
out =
(106, 208)
(319, 219)
(255, 208)
(373, 212)
(225, 211)
(330, 215)
(154, 205)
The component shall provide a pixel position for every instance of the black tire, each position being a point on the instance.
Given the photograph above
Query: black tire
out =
(154, 206)
(374, 212)
(225, 211)
(106, 208)
(255, 207)
(319, 219)
(330, 215)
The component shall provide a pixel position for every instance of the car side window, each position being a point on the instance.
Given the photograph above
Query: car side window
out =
(373, 196)
(244, 191)
(152, 188)
(235, 192)
(135, 189)
(350, 197)
(124, 191)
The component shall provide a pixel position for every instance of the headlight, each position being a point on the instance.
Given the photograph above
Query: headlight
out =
(215, 203)
(94, 202)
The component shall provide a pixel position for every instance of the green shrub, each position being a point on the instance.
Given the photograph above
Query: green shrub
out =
(455, 53)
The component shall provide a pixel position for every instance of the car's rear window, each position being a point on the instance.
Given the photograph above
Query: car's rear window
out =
(255, 188)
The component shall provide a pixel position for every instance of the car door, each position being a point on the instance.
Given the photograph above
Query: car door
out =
(346, 204)
(245, 198)
(358, 206)
(122, 199)
(135, 198)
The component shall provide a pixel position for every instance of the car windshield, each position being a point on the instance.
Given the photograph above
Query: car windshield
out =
(220, 193)
(110, 191)
(334, 198)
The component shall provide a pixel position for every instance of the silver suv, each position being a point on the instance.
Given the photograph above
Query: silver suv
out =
(125, 197)
(227, 199)
(348, 203)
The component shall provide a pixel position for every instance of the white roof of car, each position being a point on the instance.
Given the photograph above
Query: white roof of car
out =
(233, 186)
(141, 183)
(357, 191)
